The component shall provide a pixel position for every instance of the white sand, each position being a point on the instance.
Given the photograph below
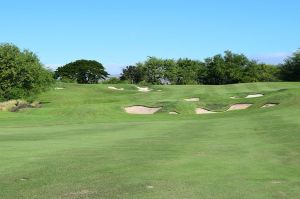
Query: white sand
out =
(239, 107)
(192, 100)
(203, 111)
(58, 88)
(141, 110)
(173, 113)
(234, 97)
(114, 88)
(255, 95)
(269, 105)
(143, 89)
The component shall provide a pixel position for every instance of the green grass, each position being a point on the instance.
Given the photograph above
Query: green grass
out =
(81, 144)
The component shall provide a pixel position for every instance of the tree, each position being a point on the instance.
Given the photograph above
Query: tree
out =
(133, 74)
(153, 69)
(21, 73)
(255, 72)
(169, 71)
(189, 71)
(82, 72)
(227, 69)
(290, 69)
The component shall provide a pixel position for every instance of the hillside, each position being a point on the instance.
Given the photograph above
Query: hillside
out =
(82, 144)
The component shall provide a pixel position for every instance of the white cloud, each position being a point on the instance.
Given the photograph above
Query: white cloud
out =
(272, 58)
(53, 66)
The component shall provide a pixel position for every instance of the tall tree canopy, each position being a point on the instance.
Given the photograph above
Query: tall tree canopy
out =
(290, 70)
(82, 71)
(21, 73)
(133, 74)
(227, 69)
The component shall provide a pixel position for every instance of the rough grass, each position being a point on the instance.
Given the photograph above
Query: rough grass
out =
(82, 144)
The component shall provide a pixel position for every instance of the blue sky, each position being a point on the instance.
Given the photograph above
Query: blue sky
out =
(118, 32)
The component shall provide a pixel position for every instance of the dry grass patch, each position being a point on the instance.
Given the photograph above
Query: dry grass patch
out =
(16, 105)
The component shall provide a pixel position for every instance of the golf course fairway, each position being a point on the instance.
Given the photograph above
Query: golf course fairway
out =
(83, 144)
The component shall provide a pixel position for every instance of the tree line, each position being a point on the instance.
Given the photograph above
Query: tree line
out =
(22, 75)
(220, 69)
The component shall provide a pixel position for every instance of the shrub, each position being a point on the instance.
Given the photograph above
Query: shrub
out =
(21, 73)
(112, 80)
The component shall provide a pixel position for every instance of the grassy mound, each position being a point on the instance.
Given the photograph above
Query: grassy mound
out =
(82, 144)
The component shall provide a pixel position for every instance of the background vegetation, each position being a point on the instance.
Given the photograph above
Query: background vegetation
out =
(23, 76)
(220, 69)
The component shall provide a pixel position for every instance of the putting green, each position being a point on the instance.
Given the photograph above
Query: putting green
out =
(82, 144)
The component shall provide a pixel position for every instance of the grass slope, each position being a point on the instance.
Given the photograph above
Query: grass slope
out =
(81, 144)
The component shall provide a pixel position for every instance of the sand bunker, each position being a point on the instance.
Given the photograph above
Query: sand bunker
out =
(143, 89)
(173, 113)
(203, 111)
(269, 105)
(58, 88)
(255, 95)
(141, 110)
(234, 97)
(114, 88)
(239, 107)
(192, 100)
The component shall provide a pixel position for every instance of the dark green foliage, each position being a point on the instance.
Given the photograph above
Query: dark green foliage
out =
(190, 71)
(153, 70)
(21, 73)
(112, 80)
(133, 74)
(82, 72)
(228, 69)
(290, 70)
(260, 73)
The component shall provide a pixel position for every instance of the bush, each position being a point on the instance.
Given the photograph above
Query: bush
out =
(112, 80)
(21, 73)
